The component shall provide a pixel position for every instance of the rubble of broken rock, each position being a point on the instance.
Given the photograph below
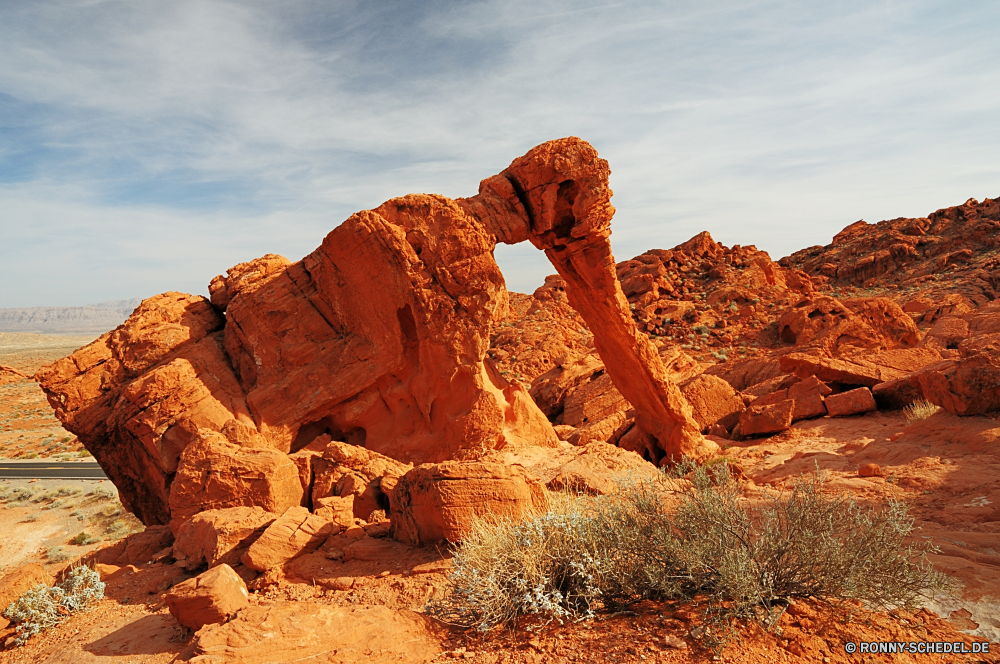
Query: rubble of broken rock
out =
(305, 445)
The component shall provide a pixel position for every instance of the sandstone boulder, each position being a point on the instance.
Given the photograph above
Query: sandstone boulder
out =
(294, 532)
(215, 474)
(713, 401)
(597, 469)
(435, 502)
(220, 536)
(852, 402)
(349, 471)
(870, 470)
(338, 509)
(136, 549)
(209, 598)
(766, 419)
(900, 392)
(970, 386)
(137, 396)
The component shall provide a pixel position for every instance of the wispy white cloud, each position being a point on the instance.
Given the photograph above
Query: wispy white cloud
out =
(177, 138)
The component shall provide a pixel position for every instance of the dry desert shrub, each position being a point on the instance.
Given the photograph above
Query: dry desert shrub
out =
(919, 410)
(43, 607)
(692, 538)
(546, 566)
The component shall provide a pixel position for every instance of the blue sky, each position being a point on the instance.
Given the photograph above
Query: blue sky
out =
(148, 146)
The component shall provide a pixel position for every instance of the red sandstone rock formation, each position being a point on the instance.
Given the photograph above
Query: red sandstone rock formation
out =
(214, 537)
(375, 339)
(292, 533)
(948, 253)
(209, 598)
(435, 502)
(557, 196)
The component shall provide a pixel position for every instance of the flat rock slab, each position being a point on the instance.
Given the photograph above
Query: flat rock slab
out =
(299, 631)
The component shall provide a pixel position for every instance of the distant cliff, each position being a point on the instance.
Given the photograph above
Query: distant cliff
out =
(88, 319)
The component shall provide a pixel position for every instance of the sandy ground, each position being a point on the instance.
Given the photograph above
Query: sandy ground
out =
(39, 518)
(946, 469)
(28, 427)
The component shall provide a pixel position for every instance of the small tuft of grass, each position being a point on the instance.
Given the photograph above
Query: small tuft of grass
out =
(57, 554)
(919, 410)
(84, 538)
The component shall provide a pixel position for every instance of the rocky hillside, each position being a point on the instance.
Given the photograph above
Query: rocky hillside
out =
(87, 319)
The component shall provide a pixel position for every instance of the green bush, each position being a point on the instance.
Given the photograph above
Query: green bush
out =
(83, 538)
(692, 539)
(43, 607)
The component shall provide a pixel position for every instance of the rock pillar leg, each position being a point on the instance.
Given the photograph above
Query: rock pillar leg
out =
(557, 196)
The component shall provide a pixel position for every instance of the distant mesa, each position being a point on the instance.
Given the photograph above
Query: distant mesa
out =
(87, 319)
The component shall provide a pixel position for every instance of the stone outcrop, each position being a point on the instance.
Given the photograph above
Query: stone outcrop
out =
(351, 472)
(220, 536)
(435, 502)
(968, 386)
(764, 419)
(376, 339)
(137, 396)
(557, 197)
(214, 473)
(964, 382)
(294, 532)
(209, 598)
(909, 254)
(713, 401)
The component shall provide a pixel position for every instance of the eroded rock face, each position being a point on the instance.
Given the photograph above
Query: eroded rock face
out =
(214, 537)
(713, 401)
(435, 502)
(136, 397)
(214, 474)
(377, 339)
(969, 386)
(557, 196)
(294, 532)
(364, 477)
(907, 253)
(209, 598)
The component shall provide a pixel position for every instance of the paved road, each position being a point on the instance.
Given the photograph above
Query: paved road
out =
(44, 470)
